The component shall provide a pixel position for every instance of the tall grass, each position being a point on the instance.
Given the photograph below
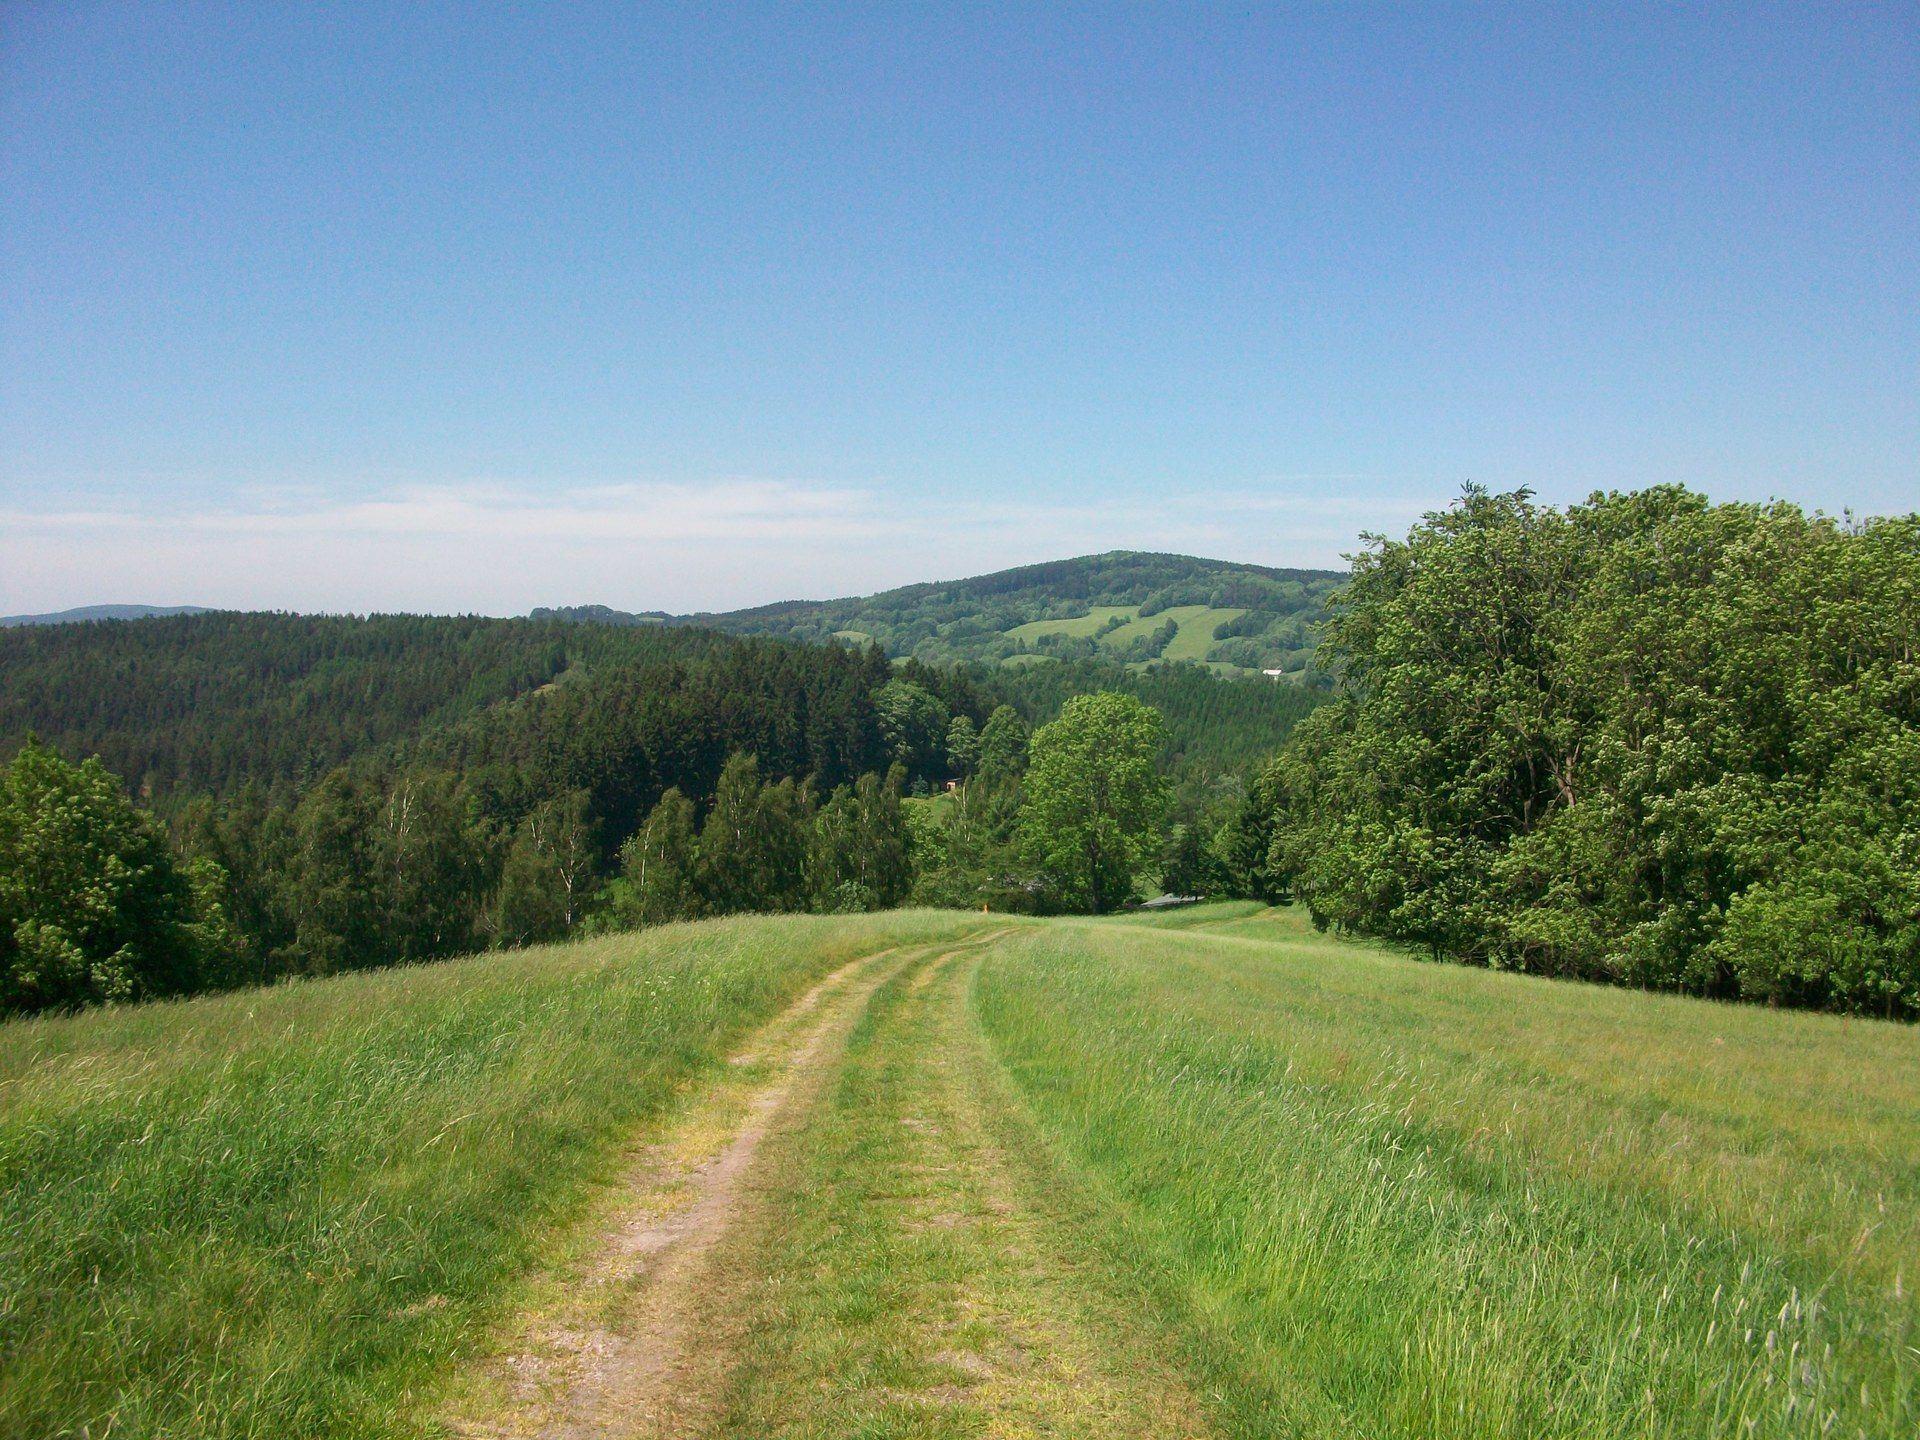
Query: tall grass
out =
(1366, 1195)
(275, 1213)
(1387, 1198)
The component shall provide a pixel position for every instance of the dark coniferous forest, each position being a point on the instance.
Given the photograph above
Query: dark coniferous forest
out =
(337, 792)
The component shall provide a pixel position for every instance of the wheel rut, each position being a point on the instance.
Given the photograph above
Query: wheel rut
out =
(916, 1281)
(842, 1234)
(610, 1352)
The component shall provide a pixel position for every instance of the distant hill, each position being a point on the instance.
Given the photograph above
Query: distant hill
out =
(1129, 606)
(102, 612)
(210, 702)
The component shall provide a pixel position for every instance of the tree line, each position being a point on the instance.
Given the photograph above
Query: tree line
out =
(342, 791)
(214, 704)
(1645, 739)
(385, 864)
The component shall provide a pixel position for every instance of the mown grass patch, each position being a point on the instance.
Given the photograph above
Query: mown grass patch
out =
(1394, 1198)
(1191, 641)
(1193, 638)
(937, 807)
(1210, 914)
(1087, 624)
(279, 1212)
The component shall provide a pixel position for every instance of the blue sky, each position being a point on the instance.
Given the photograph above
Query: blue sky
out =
(466, 307)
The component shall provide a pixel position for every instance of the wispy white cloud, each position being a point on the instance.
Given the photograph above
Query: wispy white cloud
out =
(503, 548)
(722, 510)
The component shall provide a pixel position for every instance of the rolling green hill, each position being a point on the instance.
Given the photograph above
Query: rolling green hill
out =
(213, 703)
(1128, 606)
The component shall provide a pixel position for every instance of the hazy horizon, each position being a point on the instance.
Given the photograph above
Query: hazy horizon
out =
(136, 603)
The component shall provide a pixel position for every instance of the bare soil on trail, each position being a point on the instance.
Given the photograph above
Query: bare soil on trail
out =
(719, 1293)
(606, 1357)
(922, 1271)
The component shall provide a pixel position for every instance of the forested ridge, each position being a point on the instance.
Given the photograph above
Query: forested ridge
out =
(208, 702)
(1255, 616)
(100, 612)
(1646, 740)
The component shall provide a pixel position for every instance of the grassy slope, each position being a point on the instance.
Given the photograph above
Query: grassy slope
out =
(1194, 639)
(1195, 635)
(1196, 629)
(274, 1212)
(1378, 1196)
(1085, 624)
(1206, 1153)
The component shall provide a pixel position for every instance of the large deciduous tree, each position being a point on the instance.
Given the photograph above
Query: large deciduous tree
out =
(93, 906)
(1001, 756)
(859, 858)
(914, 722)
(659, 865)
(1645, 739)
(1095, 798)
(550, 872)
(753, 847)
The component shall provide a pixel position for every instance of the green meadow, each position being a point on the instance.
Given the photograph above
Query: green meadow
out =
(1376, 1196)
(1206, 1172)
(278, 1212)
(1192, 642)
(1087, 624)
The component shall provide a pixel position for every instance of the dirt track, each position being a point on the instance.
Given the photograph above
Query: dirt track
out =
(662, 1325)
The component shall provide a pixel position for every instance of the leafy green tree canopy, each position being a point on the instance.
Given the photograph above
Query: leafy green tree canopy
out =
(914, 722)
(658, 866)
(92, 904)
(963, 746)
(1002, 752)
(1644, 739)
(860, 858)
(1095, 798)
(753, 848)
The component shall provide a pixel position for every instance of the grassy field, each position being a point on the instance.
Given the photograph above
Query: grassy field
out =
(1203, 1173)
(1195, 635)
(1193, 640)
(1086, 624)
(1377, 1196)
(276, 1213)
(937, 806)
